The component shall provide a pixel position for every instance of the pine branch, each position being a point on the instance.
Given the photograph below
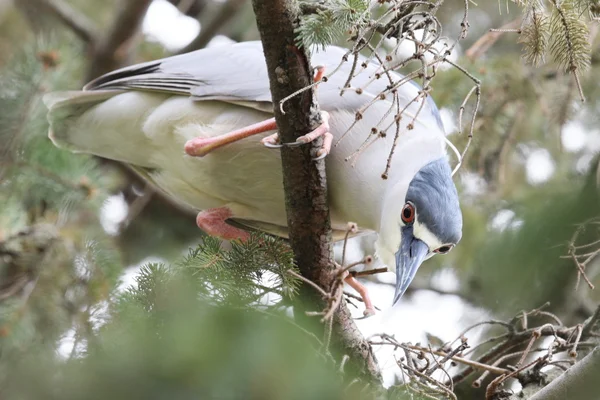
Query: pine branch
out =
(535, 32)
(241, 276)
(589, 7)
(319, 29)
(323, 24)
(569, 44)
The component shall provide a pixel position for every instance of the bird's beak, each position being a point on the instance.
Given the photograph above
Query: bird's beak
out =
(409, 257)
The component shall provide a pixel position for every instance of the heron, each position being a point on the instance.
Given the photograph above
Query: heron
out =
(196, 126)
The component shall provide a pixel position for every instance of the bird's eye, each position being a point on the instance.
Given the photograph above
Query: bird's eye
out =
(408, 213)
(444, 249)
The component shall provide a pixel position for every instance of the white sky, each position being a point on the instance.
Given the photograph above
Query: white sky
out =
(166, 25)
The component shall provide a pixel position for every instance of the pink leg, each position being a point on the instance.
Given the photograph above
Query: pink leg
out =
(320, 72)
(199, 147)
(364, 293)
(212, 221)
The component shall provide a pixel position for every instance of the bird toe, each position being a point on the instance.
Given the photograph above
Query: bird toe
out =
(369, 312)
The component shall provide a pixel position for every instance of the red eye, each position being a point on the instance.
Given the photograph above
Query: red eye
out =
(408, 213)
(444, 249)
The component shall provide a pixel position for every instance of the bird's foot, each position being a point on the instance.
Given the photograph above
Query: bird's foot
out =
(212, 221)
(272, 141)
(364, 294)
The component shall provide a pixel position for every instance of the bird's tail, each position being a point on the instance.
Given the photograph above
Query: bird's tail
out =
(106, 123)
(64, 108)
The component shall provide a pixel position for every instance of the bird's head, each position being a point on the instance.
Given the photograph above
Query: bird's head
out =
(430, 221)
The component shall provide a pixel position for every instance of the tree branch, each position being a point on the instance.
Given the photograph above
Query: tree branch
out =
(577, 383)
(209, 30)
(191, 8)
(304, 179)
(112, 51)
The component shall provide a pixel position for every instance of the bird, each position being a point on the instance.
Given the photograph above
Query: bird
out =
(196, 125)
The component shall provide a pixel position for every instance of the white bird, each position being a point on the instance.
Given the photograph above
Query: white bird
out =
(145, 115)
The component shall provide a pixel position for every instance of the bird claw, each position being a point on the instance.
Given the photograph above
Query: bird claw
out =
(271, 145)
(272, 141)
(368, 313)
(320, 156)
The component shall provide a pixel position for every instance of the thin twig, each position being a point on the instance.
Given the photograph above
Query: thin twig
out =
(222, 17)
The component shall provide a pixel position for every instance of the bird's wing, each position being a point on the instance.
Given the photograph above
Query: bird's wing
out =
(237, 73)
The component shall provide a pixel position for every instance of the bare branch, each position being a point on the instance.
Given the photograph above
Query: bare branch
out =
(113, 50)
(209, 30)
(483, 44)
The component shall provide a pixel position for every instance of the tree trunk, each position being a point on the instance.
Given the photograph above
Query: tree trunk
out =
(304, 180)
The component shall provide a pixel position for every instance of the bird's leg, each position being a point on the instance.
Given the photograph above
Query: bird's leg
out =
(199, 147)
(212, 221)
(319, 74)
(364, 293)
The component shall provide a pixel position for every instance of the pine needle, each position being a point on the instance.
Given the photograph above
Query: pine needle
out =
(569, 45)
(534, 34)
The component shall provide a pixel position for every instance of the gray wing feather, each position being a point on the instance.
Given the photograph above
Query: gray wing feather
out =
(235, 72)
(238, 73)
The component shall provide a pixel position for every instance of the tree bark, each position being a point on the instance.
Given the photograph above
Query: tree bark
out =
(304, 180)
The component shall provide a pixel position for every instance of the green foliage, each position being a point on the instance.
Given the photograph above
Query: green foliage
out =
(213, 323)
(198, 352)
(534, 34)
(328, 22)
(533, 251)
(168, 336)
(589, 7)
(55, 266)
(241, 276)
(562, 32)
(569, 43)
(35, 173)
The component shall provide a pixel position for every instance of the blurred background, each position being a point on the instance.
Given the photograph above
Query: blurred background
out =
(84, 242)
